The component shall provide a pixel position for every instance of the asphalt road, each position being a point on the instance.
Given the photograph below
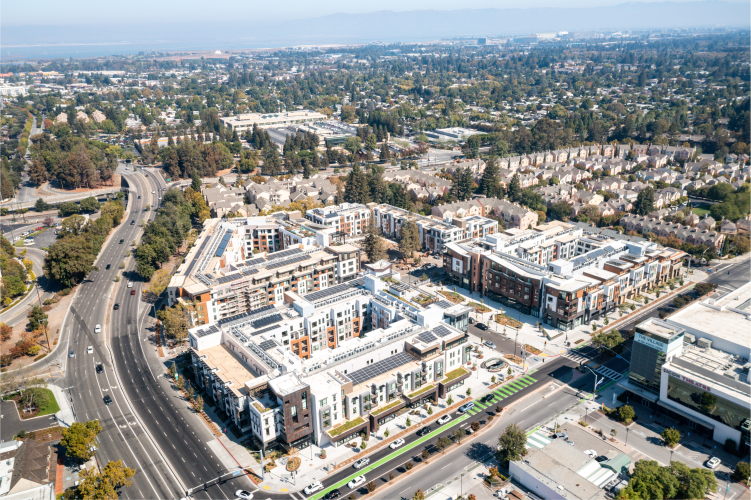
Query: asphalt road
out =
(172, 455)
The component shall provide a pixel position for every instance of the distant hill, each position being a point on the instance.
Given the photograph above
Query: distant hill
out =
(386, 26)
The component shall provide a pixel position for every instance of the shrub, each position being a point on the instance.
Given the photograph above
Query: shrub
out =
(742, 472)
(583, 423)
(409, 465)
(64, 292)
(40, 356)
(671, 436)
(626, 413)
(729, 446)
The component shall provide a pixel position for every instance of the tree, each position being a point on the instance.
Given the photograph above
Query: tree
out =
(371, 486)
(196, 181)
(41, 205)
(742, 472)
(5, 332)
(610, 340)
(645, 201)
(442, 443)
(80, 438)
(105, 485)
(626, 413)
(69, 260)
(37, 318)
(67, 209)
(373, 243)
(38, 174)
(159, 281)
(409, 239)
(175, 322)
(515, 189)
(512, 444)
(115, 210)
(419, 495)
(356, 189)
(450, 401)
(458, 434)
(463, 184)
(490, 183)
(671, 436)
(89, 205)
(198, 403)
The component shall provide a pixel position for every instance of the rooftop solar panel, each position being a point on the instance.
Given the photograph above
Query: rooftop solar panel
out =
(427, 337)
(442, 331)
(267, 344)
(287, 262)
(444, 304)
(197, 255)
(263, 330)
(380, 367)
(268, 320)
(223, 245)
(357, 282)
(284, 253)
(248, 272)
(255, 262)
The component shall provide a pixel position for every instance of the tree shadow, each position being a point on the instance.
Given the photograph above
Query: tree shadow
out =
(478, 451)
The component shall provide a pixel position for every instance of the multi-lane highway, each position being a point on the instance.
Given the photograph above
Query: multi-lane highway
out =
(144, 425)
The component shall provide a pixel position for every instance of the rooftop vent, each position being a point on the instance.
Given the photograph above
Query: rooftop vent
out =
(704, 343)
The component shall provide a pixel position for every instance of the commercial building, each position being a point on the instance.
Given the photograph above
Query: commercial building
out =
(244, 122)
(693, 368)
(301, 370)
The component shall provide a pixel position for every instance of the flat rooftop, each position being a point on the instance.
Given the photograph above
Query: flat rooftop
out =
(230, 367)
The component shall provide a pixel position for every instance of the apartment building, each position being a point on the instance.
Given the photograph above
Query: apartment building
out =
(434, 232)
(300, 372)
(350, 219)
(220, 278)
(512, 214)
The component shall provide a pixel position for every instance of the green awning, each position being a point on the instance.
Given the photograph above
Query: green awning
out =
(618, 464)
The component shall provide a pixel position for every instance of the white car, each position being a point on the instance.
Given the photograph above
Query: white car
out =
(90, 350)
(590, 453)
(313, 487)
(98, 329)
(130, 284)
(153, 192)
(444, 419)
(244, 494)
(359, 480)
(713, 462)
(396, 444)
(361, 463)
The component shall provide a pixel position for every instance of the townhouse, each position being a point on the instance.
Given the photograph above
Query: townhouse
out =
(701, 234)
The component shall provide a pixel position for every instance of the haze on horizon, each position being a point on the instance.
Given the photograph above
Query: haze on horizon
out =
(94, 12)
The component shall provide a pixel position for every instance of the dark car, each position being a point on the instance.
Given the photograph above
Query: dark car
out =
(107, 400)
(471, 321)
(481, 326)
(425, 430)
(122, 240)
(132, 222)
(132, 292)
(108, 266)
(488, 397)
(99, 368)
(331, 494)
(117, 306)
(139, 196)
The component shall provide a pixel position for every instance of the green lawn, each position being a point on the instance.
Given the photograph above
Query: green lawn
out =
(701, 212)
(51, 407)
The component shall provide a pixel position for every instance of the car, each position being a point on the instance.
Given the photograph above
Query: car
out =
(331, 494)
(108, 266)
(356, 482)
(132, 292)
(444, 419)
(425, 430)
(132, 222)
(99, 368)
(713, 462)
(471, 321)
(98, 329)
(130, 284)
(466, 407)
(601, 458)
(117, 306)
(560, 435)
(71, 353)
(122, 240)
(590, 453)
(153, 192)
(146, 175)
(359, 464)
(243, 494)
(313, 487)
(90, 350)
(570, 443)
(396, 444)
(481, 326)
(487, 343)
(487, 398)
(107, 400)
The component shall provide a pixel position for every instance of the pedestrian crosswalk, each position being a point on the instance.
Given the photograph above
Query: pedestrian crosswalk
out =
(502, 393)
(608, 373)
(575, 356)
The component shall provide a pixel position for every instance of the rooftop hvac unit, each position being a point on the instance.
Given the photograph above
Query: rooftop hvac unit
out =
(704, 343)
(688, 338)
(746, 367)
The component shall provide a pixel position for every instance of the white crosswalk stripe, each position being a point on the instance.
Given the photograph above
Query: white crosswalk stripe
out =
(607, 372)
(573, 355)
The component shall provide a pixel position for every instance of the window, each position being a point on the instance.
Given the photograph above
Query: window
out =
(324, 401)
(293, 410)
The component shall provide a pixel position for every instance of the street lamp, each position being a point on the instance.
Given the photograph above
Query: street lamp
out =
(462, 485)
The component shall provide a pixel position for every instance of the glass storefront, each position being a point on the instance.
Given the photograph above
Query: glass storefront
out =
(706, 403)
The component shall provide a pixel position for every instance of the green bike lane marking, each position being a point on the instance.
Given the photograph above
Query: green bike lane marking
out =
(388, 458)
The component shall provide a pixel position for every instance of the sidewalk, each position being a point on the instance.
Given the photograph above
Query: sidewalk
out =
(65, 416)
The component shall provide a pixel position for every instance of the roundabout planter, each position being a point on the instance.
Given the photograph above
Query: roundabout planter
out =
(293, 464)
(494, 365)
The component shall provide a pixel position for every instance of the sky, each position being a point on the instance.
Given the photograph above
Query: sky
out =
(88, 12)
